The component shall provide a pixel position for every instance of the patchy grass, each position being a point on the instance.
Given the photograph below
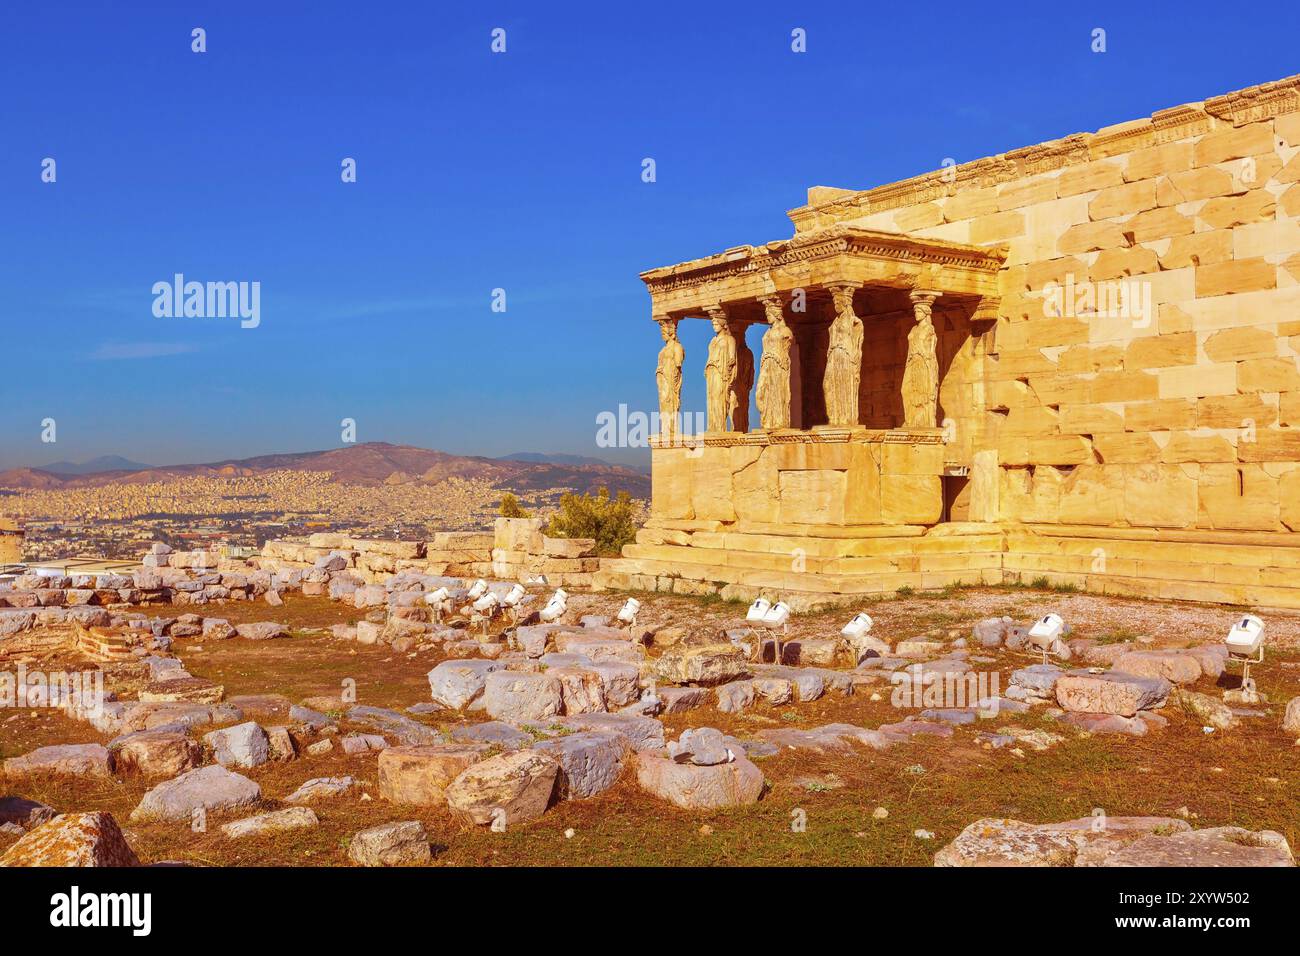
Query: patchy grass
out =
(1248, 776)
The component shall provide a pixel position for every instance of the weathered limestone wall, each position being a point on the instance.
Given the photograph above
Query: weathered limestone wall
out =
(799, 483)
(521, 552)
(11, 542)
(1186, 418)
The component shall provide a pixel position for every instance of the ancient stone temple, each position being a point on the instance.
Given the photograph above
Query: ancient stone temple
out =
(1074, 361)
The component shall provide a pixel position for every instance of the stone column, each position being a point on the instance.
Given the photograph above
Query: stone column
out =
(744, 379)
(843, 359)
(720, 371)
(668, 378)
(774, 385)
(921, 373)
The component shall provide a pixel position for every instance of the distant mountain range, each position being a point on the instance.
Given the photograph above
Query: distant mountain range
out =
(371, 463)
(96, 465)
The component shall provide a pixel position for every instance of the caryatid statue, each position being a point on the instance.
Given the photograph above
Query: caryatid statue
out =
(843, 360)
(921, 374)
(720, 371)
(668, 378)
(774, 367)
(744, 380)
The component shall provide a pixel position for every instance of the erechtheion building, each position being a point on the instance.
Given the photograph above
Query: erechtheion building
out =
(1074, 361)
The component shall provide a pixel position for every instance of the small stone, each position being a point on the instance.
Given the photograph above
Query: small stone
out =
(292, 818)
(243, 745)
(880, 813)
(509, 788)
(319, 788)
(391, 844)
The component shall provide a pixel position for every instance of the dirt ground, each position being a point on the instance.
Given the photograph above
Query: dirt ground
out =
(1248, 776)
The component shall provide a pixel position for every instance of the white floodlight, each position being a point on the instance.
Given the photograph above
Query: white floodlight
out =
(439, 601)
(555, 607)
(1245, 642)
(487, 603)
(627, 614)
(1046, 633)
(476, 590)
(758, 610)
(778, 616)
(514, 596)
(859, 626)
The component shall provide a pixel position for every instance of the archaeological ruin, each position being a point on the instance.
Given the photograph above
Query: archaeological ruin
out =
(1075, 361)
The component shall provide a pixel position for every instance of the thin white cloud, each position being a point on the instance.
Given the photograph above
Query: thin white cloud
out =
(112, 351)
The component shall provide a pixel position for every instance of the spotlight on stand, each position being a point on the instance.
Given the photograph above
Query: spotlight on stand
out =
(511, 601)
(476, 590)
(776, 619)
(758, 610)
(859, 626)
(627, 614)
(1046, 634)
(555, 607)
(439, 602)
(1246, 646)
(485, 607)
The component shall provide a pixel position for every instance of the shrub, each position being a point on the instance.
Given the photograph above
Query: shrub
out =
(608, 520)
(510, 507)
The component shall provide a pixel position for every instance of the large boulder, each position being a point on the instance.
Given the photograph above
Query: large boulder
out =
(643, 733)
(1112, 692)
(705, 666)
(243, 745)
(19, 811)
(581, 690)
(517, 697)
(693, 787)
(1175, 666)
(73, 839)
(992, 842)
(454, 684)
(1111, 841)
(590, 761)
(621, 681)
(510, 788)
(391, 844)
(420, 775)
(156, 753)
(211, 788)
(66, 760)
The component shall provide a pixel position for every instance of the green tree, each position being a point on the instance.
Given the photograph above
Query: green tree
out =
(510, 507)
(610, 521)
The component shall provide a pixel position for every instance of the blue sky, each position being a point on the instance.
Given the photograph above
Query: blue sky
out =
(477, 171)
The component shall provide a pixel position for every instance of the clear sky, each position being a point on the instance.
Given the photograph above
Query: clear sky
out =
(478, 171)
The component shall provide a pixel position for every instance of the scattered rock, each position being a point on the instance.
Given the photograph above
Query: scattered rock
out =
(156, 753)
(517, 698)
(243, 745)
(1112, 692)
(319, 788)
(707, 666)
(1204, 708)
(68, 760)
(420, 775)
(207, 788)
(692, 787)
(510, 788)
(291, 818)
(391, 844)
(590, 762)
(73, 839)
(261, 631)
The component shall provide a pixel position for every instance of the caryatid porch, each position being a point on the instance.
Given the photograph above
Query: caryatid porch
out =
(852, 370)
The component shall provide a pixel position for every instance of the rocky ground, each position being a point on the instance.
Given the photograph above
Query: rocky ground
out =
(336, 735)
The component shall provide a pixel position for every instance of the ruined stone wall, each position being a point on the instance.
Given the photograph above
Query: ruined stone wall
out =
(1184, 418)
(11, 542)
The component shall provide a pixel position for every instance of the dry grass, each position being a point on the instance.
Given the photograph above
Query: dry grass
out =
(1249, 776)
